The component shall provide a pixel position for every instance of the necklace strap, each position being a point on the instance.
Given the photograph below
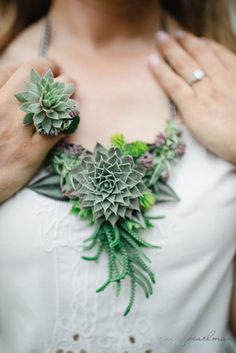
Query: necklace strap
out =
(45, 37)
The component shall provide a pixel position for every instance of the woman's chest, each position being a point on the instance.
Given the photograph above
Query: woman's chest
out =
(122, 97)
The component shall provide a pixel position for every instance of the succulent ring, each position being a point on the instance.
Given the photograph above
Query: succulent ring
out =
(48, 105)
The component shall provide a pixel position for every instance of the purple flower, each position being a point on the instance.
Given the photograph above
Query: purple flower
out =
(181, 149)
(72, 149)
(73, 114)
(75, 150)
(160, 140)
(146, 160)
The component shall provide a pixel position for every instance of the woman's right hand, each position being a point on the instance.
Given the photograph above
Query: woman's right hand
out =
(22, 150)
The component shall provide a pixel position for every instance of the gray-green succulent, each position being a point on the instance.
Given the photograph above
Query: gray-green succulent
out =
(47, 104)
(110, 184)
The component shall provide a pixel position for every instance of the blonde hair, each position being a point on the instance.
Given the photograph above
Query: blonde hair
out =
(208, 18)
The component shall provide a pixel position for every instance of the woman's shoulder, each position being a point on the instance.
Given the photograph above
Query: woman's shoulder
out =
(23, 47)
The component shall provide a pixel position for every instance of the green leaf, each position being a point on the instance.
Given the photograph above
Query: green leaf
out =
(156, 174)
(60, 85)
(47, 124)
(21, 97)
(49, 76)
(75, 210)
(31, 97)
(38, 118)
(70, 103)
(136, 149)
(63, 115)
(25, 107)
(28, 118)
(147, 200)
(34, 108)
(52, 115)
(34, 76)
(118, 140)
(69, 88)
(49, 186)
(49, 180)
(46, 103)
(43, 83)
(60, 107)
(149, 225)
(50, 192)
(32, 87)
(57, 123)
(164, 193)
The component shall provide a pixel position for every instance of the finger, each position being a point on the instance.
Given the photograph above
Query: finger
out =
(27, 130)
(226, 56)
(64, 78)
(45, 143)
(192, 113)
(176, 56)
(174, 86)
(6, 72)
(202, 54)
(16, 81)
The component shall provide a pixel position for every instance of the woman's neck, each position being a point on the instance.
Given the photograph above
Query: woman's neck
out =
(102, 21)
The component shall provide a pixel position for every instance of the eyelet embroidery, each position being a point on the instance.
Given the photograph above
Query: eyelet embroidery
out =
(76, 337)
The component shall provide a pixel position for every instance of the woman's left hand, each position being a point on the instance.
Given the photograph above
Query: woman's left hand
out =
(208, 107)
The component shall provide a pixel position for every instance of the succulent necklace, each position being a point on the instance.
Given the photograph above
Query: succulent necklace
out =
(112, 189)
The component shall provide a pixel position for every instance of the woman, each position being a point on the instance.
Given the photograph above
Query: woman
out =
(48, 299)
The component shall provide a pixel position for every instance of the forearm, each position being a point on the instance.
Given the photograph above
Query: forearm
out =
(11, 180)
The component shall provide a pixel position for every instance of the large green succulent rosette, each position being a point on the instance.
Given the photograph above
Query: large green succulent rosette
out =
(48, 106)
(110, 184)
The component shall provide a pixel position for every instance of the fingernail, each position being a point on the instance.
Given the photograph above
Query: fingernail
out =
(162, 36)
(179, 34)
(154, 59)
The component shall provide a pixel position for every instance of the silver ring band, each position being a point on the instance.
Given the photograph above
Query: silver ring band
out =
(196, 76)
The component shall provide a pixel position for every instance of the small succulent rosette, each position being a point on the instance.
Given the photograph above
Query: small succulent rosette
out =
(48, 105)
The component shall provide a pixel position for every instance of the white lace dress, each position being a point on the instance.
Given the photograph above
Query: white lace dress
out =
(48, 302)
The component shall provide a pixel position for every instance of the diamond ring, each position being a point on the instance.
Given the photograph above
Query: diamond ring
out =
(196, 76)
